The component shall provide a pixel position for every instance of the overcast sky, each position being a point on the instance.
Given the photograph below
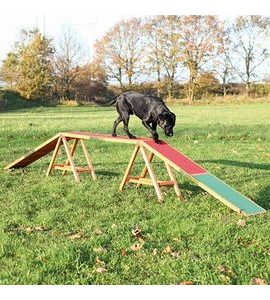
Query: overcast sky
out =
(88, 28)
(92, 18)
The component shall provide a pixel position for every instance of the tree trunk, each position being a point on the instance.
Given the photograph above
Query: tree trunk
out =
(191, 85)
(159, 82)
(247, 88)
(224, 90)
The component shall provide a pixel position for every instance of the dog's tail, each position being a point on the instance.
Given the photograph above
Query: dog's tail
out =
(104, 102)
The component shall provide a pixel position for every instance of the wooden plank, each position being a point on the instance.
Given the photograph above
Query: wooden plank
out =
(68, 168)
(55, 153)
(89, 160)
(73, 148)
(149, 181)
(71, 162)
(144, 171)
(173, 178)
(35, 154)
(151, 173)
(174, 158)
(228, 195)
(104, 137)
(129, 167)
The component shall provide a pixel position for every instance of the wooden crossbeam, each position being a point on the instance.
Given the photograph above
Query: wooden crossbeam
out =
(69, 164)
(72, 153)
(148, 169)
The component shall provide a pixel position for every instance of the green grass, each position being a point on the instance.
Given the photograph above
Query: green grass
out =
(53, 230)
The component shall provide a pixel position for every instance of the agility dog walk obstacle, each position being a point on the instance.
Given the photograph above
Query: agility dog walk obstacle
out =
(172, 158)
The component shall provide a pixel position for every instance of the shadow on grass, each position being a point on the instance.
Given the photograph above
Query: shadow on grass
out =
(263, 198)
(190, 188)
(107, 173)
(241, 164)
(12, 101)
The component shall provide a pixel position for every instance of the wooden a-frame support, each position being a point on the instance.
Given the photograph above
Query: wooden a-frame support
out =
(69, 165)
(148, 169)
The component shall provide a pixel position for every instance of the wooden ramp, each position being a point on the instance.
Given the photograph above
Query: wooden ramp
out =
(206, 180)
(171, 157)
(34, 154)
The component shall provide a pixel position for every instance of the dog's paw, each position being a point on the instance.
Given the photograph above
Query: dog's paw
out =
(157, 141)
(114, 134)
(131, 136)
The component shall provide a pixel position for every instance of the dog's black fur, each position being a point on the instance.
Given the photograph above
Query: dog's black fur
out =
(150, 109)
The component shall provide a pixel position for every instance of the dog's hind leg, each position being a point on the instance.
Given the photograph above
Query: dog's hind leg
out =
(126, 120)
(115, 124)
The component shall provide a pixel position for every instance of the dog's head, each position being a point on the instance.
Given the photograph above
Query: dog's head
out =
(167, 121)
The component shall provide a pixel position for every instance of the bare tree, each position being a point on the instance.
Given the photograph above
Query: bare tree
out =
(67, 59)
(201, 36)
(163, 53)
(153, 32)
(222, 65)
(248, 47)
(121, 51)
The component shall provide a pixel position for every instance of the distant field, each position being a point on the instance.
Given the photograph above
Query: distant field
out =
(54, 231)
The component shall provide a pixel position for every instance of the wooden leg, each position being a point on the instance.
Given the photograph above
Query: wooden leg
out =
(172, 177)
(144, 171)
(55, 153)
(129, 167)
(71, 162)
(88, 159)
(152, 174)
(73, 148)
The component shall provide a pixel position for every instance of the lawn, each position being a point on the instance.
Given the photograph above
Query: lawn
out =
(55, 231)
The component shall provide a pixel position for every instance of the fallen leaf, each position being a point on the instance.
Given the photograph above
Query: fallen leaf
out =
(241, 223)
(259, 148)
(141, 240)
(101, 270)
(175, 254)
(225, 278)
(98, 231)
(136, 231)
(100, 250)
(266, 155)
(176, 240)
(221, 269)
(39, 228)
(225, 271)
(167, 249)
(113, 226)
(100, 262)
(196, 142)
(258, 281)
(123, 252)
(136, 247)
(188, 282)
(75, 236)
(29, 229)
(155, 251)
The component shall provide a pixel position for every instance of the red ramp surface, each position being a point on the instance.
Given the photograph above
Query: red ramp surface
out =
(34, 154)
(179, 160)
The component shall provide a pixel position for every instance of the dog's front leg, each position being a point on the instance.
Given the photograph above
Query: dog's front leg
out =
(152, 130)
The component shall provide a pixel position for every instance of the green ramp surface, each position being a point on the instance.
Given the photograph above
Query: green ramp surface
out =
(228, 195)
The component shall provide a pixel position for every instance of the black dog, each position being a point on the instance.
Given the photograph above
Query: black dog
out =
(151, 110)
